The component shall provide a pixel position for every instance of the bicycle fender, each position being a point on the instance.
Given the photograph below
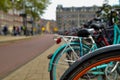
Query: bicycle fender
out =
(54, 54)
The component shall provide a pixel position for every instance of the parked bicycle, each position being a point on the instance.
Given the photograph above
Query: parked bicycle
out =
(65, 55)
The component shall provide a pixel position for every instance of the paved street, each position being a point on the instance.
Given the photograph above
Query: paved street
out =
(36, 69)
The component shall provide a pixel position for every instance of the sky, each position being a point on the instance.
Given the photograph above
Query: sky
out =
(50, 12)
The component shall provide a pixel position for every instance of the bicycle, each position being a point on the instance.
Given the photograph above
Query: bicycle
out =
(90, 67)
(68, 53)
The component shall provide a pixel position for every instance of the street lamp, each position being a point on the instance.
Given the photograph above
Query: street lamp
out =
(13, 11)
(78, 20)
(24, 15)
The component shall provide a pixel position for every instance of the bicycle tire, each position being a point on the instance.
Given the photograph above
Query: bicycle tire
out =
(53, 72)
(98, 57)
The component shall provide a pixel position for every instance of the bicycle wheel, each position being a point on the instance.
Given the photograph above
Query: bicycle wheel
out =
(63, 60)
(98, 65)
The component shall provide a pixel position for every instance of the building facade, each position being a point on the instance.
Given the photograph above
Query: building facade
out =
(49, 25)
(67, 17)
(9, 20)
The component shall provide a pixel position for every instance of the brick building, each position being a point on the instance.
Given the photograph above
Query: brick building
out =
(74, 16)
(11, 20)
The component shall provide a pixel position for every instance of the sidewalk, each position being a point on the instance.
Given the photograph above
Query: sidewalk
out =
(37, 69)
(12, 38)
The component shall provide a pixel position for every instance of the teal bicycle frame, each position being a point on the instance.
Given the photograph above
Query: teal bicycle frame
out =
(116, 34)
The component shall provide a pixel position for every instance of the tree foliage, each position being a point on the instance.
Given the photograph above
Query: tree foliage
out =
(34, 8)
(5, 5)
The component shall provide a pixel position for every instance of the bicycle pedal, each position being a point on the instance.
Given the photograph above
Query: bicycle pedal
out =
(49, 56)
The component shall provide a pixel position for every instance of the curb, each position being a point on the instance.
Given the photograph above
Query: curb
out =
(13, 39)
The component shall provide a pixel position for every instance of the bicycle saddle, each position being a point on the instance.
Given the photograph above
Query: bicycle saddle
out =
(86, 25)
(83, 33)
(97, 26)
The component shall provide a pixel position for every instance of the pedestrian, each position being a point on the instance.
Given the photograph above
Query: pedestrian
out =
(17, 30)
(31, 31)
(5, 30)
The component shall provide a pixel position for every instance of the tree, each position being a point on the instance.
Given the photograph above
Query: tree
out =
(34, 8)
(5, 5)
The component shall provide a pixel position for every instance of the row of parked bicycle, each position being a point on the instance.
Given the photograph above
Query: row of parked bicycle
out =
(92, 53)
